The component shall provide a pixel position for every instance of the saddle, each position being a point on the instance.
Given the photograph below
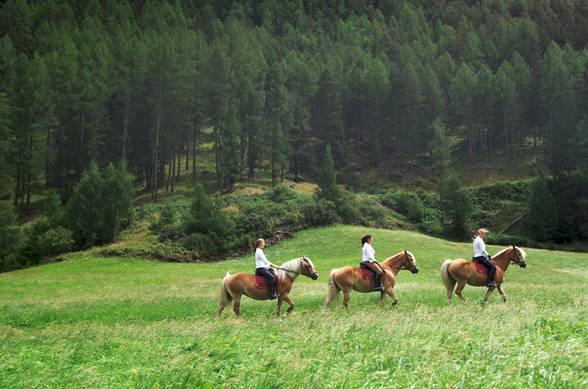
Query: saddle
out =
(260, 282)
(366, 272)
(480, 268)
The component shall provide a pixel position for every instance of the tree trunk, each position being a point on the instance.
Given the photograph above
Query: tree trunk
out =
(218, 158)
(47, 157)
(156, 150)
(169, 173)
(30, 174)
(193, 154)
(179, 162)
(126, 126)
(173, 177)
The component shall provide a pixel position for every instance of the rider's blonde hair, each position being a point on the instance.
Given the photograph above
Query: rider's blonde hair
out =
(485, 231)
(258, 242)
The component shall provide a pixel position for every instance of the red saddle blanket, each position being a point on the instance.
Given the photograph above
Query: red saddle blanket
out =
(480, 268)
(366, 274)
(260, 282)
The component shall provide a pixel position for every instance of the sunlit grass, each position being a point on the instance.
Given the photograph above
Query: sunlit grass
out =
(130, 322)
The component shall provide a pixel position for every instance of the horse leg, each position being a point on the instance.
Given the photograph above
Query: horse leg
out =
(237, 303)
(289, 301)
(280, 301)
(449, 293)
(490, 290)
(499, 287)
(460, 286)
(382, 298)
(221, 306)
(390, 291)
(346, 296)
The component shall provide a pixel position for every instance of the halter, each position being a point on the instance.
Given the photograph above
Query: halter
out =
(516, 254)
(410, 261)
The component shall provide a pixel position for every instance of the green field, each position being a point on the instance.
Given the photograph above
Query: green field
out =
(130, 322)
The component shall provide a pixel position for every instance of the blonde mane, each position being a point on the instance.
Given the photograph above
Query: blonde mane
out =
(292, 265)
(523, 253)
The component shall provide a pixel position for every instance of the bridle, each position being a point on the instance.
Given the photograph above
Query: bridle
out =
(297, 272)
(518, 256)
(413, 267)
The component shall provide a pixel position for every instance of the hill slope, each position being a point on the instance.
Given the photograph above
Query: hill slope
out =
(131, 322)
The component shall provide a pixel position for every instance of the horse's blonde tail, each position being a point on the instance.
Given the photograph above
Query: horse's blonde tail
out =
(333, 292)
(225, 296)
(447, 279)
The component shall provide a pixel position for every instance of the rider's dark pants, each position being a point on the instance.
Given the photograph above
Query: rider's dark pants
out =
(376, 268)
(269, 276)
(489, 265)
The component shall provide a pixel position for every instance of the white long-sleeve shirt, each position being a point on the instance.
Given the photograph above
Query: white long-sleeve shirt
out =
(480, 248)
(369, 254)
(260, 259)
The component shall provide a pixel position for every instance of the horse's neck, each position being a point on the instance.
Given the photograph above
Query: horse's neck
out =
(394, 263)
(292, 265)
(502, 260)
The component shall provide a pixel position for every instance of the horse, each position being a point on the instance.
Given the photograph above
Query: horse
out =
(235, 286)
(464, 272)
(347, 278)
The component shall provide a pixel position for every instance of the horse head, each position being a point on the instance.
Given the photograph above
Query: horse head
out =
(307, 268)
(518, 256)
(410, 262)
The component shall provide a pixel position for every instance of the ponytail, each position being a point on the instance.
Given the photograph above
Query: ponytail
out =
(365, 238)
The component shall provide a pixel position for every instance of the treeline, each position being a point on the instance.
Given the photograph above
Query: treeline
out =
(276, 81)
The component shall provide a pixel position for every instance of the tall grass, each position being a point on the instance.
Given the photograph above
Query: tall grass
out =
(130, 322)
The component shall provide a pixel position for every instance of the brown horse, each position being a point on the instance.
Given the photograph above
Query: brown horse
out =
(233, 287)
(463, 272)
(347, 278)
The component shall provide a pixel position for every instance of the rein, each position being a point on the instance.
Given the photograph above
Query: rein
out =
(287, 271)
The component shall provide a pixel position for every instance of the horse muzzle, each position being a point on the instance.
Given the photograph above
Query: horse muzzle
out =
(523, 264)
(314, 276)
(414, 270)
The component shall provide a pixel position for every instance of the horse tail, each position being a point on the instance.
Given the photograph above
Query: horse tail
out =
(446, 277)
(333, 292)
(225, 296)
(333, 287)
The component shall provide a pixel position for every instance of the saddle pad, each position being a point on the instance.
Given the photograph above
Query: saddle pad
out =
(480, 268)
(366, 274)
(260, 282)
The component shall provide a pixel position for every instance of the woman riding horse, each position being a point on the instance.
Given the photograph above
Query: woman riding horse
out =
(233, 287)
(462, 272)
(349, 278)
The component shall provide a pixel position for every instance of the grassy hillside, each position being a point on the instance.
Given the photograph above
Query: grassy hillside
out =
(131, 322)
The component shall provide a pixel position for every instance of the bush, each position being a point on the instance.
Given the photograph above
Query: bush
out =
(507, 240)
(320, 213)
(55, 241)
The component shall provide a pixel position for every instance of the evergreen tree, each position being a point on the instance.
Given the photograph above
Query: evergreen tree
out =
(455, 205)
(328, 177)
(542, 219)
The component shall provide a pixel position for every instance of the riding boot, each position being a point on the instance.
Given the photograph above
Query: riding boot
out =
(272, 293)
(378, 283)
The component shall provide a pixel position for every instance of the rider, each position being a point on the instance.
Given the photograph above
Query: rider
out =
(370, 262)
(262, 268)
(482, 256)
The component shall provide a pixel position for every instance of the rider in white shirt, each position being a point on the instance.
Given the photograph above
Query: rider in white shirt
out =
(369, 260)
(482, 256)
(263, 268)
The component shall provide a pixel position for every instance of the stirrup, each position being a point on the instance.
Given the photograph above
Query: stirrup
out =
(379, 288)
(491, 284)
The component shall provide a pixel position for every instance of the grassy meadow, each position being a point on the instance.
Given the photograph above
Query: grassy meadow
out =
(129, 322)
